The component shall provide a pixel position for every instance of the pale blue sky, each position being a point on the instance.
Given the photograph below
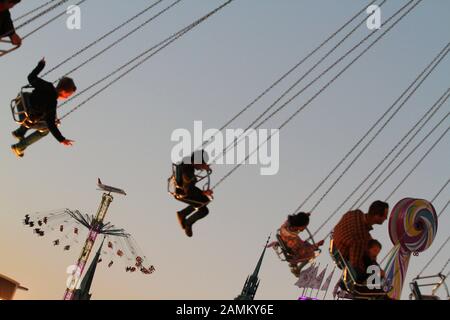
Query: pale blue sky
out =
(123, 136)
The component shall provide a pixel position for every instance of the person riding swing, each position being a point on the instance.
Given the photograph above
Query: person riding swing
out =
(6, 24)
(41, 111)
(187, 191)
(299, 251)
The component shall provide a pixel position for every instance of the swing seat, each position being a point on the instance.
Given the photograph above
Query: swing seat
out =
(6, 47)
(349, 281)
(416, 294)
(285, 254)
(437, 281)
(282, 251)
(175, 183)
(20, 109)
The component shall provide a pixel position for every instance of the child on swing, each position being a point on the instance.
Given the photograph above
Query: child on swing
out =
(301, 250)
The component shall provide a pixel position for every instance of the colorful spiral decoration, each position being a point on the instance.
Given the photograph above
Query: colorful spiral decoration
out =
(413, 225)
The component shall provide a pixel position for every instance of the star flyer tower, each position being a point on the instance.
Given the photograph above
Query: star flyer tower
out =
(95, 229)
(252, 283)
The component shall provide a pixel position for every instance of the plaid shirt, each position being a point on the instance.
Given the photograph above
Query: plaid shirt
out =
(351, 236)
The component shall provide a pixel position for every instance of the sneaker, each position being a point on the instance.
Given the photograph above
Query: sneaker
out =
(17, 151)
(17, 136)
(188, 230)
(181, 220)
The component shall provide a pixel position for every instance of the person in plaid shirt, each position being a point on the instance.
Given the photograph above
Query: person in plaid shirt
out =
(352, 234)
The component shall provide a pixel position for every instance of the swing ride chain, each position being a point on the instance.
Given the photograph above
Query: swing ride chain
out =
(51, 20)
(445, 266)
(340, 60)
(411, 171)
(434, 256)
(48, 10)
(162, 45)
(371, 45)
(402, 162)
(323, 88)
(107, 35)
(34, 10)
(370, 130)
(421, 159)
(433, 110)
(441, 190)
(437, 106)
(255, 123)
(284, 76)
(367, 145)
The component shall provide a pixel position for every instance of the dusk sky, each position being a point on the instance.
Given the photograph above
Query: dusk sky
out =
(124, 137)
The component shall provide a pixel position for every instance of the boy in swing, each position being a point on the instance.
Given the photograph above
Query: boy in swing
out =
(43, 105)
(189, 193)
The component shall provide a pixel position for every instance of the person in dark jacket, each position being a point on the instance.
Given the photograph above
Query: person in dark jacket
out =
(6, 24)
(189, 193)
(43, 105)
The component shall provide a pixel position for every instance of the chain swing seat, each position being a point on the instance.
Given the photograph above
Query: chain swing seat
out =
(437, 281)
(6, 47)
(175, 184)
(285, 254)
(22, 111)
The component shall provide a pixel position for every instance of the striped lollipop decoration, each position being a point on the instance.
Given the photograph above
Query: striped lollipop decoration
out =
(413, 224)
(412, 228)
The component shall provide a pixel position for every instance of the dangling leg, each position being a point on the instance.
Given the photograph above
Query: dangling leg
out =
(183, 214)
(197, 205)
(198, 200)
(20, 147)
(20, 133)
(198, 215)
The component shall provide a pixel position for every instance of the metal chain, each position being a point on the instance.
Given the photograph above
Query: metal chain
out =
(284, 76)
(434, 256)
(319, 92)
(50, 21)
(98, 40)
(445, 266)
(421, 160)
(41, 14)
(268, 109)
(162, 45)
(340, 60)
(439, 105)
(324, 180)
(376, 168)
(33, 10)
(372, 44)
(61, 2)
(440, 191)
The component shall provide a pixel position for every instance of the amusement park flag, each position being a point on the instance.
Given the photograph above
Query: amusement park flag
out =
(318, 280)
(327, 282)
(305, 277)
